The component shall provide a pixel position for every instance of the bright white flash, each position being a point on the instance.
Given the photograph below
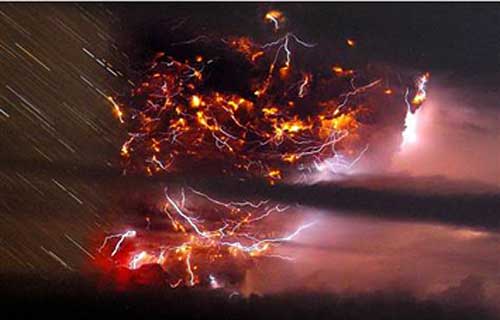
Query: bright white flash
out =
(410, 132)
(411, 120)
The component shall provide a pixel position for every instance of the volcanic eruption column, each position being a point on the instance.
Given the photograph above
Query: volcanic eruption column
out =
(290, 123)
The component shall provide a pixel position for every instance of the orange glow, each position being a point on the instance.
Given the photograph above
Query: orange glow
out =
(274, 174)
(421, 94)
(344, 121)
(270, 111)
(195, 101)
(276, 17)
(284, 71)
(124, 150)
(257, 55)
(207, 124)
(291, 158)
(116, 109)
(292, 126)
(341, 72)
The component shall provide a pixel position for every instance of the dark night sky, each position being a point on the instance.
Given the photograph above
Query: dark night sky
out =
(459, 38)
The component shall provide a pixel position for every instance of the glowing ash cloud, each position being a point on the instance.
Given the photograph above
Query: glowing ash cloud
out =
(282, 122)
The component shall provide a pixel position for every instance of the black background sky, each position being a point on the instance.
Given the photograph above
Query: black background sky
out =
(461, 38)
